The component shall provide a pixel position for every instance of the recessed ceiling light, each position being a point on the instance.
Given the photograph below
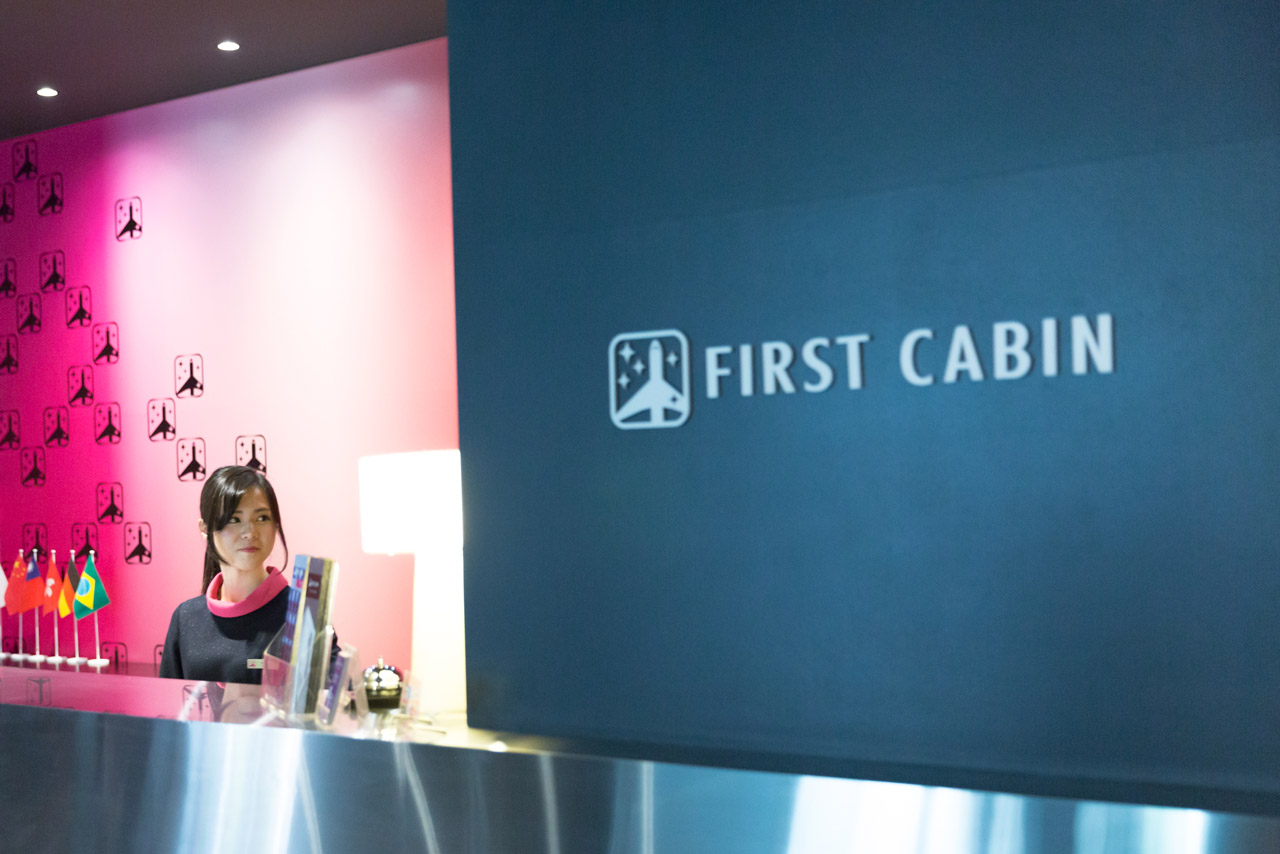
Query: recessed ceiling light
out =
(46, 92)
(228, 45)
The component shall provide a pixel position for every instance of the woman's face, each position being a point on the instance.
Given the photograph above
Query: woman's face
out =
(250, 535)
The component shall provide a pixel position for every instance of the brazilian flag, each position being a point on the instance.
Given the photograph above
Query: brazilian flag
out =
(90, 594)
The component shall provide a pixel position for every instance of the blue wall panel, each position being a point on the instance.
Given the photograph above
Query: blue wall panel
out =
(1065, 575)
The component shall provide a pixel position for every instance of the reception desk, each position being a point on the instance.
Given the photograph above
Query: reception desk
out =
(118, 772)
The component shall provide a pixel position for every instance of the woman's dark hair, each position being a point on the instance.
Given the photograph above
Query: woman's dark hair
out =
(218, 502)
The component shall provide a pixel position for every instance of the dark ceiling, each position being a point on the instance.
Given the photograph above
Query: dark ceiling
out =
(104, 56)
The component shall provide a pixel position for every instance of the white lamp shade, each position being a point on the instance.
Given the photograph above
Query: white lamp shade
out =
(411, 502)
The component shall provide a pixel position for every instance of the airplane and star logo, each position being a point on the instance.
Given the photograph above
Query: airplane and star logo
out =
(6, 203)
(649, 379)
(24, 160)
(49, 193)
(9, 278)
(128, 218)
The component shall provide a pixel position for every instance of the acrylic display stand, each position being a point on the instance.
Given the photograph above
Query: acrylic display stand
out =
(343, 692)
(285, 682)
(277, 676)
(296, 662)
(341, 698)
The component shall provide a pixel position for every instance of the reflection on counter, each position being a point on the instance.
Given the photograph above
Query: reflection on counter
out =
(203, 786)
(88, 689)
(209, 787)
(115, 659)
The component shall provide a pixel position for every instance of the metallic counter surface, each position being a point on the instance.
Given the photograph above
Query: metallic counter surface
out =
(90, 781)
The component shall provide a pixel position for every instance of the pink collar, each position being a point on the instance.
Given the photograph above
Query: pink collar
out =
(267, 590)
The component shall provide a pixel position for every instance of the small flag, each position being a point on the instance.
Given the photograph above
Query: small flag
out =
(52, 581)
(13, 592)
(32, 589)
(90, 594)
(67, 593)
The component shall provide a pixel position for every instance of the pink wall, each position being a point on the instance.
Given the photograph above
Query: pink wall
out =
(297, 236)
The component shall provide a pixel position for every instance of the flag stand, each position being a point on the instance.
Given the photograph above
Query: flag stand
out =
(97, 643)
(19, 655)
(57, 657)
(3, 655)
(97, 646)
(38, 657)
(77, 660)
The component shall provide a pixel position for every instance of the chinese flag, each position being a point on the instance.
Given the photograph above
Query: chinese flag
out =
(11, 590)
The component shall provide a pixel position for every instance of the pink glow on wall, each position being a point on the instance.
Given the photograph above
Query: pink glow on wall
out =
(297, 237)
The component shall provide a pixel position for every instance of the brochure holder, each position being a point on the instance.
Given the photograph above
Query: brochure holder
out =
(341, 698)
(296, 665)
(343, 692)
(276, 676)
